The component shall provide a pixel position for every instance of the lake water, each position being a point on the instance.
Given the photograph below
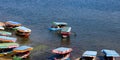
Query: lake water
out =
(95, 22)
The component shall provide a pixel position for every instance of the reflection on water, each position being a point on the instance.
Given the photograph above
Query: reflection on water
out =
(23, 40)
(65, 41)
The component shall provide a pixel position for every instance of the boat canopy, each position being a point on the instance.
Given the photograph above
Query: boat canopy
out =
(13, 23)
(5, 38)
(8, 45)
(66, 29)
(23, 29)
(59, 23)
(62, 50)
(5, 33)
(110, 53)
(2, 28)
(23, 49)
(89, 54)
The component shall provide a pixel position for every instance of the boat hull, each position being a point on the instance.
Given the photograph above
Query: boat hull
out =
(65, 34)
(23, 55)
(23, 34)
(11, 26)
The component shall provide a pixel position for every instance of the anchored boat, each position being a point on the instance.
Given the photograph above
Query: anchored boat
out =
(89, 55)
(62, 53)
(111, 54)
(7, 39)
(12, 24)
(6, 48)
(22, 51)
(23, 31)
(57, 26)
(66, 31)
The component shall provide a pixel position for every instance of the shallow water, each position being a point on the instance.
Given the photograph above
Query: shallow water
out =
(95, 22)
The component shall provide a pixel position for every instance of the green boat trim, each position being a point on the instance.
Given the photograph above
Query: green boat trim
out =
(7, 48)
(8, 45)
(5, 33)
(17, 58)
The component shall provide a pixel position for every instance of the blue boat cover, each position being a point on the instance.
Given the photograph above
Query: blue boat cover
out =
(2, 28)
(89, 53)
(62, 49)
(22, 48)
(110, 53)
(22, 28)
(8, 38)
(55, 29)
(59, 23)
(12, 22)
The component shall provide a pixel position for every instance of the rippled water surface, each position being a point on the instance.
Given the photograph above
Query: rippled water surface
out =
(95, 22)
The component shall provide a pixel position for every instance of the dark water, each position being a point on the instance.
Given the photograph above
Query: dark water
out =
(95, 22)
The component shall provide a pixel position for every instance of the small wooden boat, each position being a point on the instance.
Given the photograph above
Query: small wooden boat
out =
(23, 31)
(6, 48)
(2, 28)
(7, 39)
(12, 24)
(111, 54)
(66, 31)
(62, 53)
(4, 33)
(57, 26)
(22, 51)
(89, 55)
